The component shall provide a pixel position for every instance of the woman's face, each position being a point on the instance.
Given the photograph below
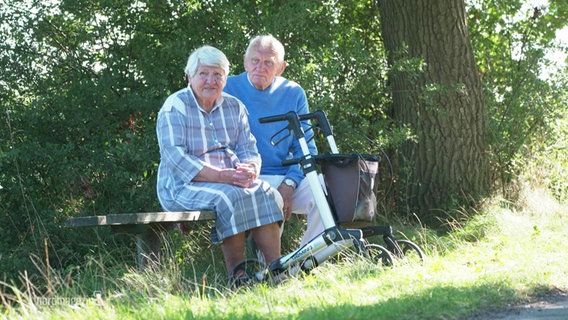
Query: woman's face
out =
(207, 84)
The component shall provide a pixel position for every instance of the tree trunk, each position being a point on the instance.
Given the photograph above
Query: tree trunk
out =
(437, 93)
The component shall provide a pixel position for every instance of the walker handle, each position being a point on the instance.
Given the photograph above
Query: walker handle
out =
(289, 162)
(293, 122)
(322, 121)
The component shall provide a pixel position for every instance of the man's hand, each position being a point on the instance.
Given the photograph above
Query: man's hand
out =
(286, 192)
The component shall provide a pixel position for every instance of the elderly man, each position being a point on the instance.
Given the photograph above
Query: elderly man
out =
(265, 93)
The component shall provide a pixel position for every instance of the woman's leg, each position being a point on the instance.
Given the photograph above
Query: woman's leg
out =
(233, 248)
(267, 239)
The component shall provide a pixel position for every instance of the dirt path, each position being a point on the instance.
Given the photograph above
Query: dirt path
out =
(549, 307)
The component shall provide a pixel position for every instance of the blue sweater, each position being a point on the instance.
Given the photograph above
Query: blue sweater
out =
(282, 96)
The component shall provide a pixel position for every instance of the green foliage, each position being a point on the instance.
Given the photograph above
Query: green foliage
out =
(511, 39)
(81, 83)
(549, 165)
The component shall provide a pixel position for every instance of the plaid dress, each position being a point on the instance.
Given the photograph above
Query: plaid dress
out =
(188, 137)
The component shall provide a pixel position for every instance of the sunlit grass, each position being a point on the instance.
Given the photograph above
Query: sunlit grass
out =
(500, 256)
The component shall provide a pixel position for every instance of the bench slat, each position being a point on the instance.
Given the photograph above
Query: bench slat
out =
(140, 218)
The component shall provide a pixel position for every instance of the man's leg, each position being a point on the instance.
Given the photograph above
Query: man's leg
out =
(303, 203)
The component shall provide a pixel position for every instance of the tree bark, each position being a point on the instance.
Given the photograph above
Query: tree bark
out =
(437, 93)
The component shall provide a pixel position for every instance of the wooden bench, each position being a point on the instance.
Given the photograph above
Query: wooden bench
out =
(147, 226)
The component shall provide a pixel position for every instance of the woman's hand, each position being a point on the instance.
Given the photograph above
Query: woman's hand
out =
(244, 174)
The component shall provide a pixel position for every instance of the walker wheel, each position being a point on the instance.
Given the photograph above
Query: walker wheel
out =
(379, 255)
(411, 252)
(250, 268)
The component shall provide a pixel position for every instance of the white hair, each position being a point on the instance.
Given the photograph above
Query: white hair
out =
(209, 56)
(267, 41)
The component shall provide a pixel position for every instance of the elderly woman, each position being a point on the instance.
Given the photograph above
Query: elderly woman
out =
(209, 160)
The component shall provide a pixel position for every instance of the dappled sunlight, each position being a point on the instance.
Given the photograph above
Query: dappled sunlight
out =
(540, 201)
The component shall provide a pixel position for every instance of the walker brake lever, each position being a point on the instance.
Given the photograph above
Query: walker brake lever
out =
(272, 142)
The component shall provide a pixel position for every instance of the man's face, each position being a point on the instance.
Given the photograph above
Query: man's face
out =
(262, 66)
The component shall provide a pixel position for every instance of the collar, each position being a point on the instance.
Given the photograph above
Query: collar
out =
(273, 80)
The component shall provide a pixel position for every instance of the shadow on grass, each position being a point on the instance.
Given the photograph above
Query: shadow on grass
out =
(437, 303)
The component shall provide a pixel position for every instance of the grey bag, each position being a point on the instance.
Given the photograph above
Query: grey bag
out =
(350, 181)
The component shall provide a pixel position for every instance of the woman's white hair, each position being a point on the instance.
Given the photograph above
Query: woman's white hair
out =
(209, 56)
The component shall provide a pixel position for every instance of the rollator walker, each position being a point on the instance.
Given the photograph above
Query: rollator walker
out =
(327, 176)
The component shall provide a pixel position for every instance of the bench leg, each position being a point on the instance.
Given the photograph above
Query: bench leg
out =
(148, 247)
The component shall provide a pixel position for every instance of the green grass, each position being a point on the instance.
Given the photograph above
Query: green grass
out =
(498, 257)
